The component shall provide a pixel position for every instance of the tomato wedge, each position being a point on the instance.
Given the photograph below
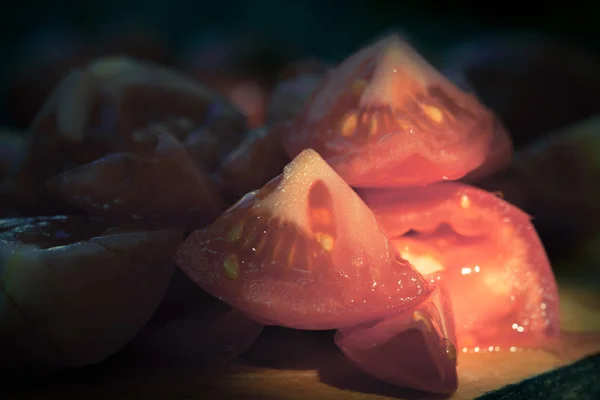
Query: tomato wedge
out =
(163, 185)
(386, 118)
(413, 349)
(485, 251)
(303, 252)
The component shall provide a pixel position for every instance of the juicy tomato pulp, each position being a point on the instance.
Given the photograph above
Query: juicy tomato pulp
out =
(386, 118)
(424, 338)
(303, 252)
(484, 251)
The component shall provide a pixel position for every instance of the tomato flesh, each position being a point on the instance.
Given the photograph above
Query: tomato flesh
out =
(385, 118)
(484, 251)
(412, 349)
(303, 252)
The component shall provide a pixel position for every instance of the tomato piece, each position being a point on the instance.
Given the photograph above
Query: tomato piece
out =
(193, 326)
(166, 186)
(386, 118)
(74, 292)
(114, 105)
(303, 252)
(485, 251)
(413, 349)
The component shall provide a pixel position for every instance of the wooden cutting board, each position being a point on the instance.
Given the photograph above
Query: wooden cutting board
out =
(286, 364)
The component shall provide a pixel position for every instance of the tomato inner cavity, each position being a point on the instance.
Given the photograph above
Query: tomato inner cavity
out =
(486, 276)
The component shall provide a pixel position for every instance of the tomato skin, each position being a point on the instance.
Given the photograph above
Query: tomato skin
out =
(386, 118)
(269, 257)
(76, 285)
(412, 349)
(165, 185)
(492, 262)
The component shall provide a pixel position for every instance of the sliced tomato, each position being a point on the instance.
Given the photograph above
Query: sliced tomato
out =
(485, 251)
(413, 349)
(303, 252)
(165, 185)
(386, 118)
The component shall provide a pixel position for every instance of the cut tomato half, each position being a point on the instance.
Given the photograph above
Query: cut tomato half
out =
(413, 349)
(386, 118)
(485, 251)
(303, 252)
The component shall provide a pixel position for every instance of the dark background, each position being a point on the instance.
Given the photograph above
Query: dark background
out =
(326, 28)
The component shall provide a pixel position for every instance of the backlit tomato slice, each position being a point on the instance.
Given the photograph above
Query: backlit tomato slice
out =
(386, 118)
(303, 252)
(485, 251)
(413, 349)
(165, 185)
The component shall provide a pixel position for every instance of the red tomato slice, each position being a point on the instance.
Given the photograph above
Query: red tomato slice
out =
(303, 252)
(413, 349)
(386, 118)
(165, 185)
(485, 251)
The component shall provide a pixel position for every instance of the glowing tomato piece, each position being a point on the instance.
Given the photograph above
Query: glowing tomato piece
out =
(386, 118)
(413, 349)
(485, 251)
(303, 252)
